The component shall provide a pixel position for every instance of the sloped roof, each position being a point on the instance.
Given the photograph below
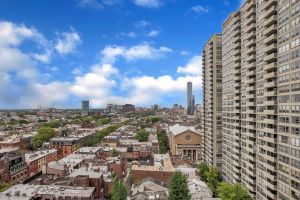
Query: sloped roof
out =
(177, 129)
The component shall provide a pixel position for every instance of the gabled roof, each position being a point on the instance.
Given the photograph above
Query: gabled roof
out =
(177, 129)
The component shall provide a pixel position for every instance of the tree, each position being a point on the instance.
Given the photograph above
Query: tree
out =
(213, 179)
(178, 189)
(142, 136)
(119, 191)
(226, 191)
(163, 142)
(114, 153)
(44, 134)
(203, 168)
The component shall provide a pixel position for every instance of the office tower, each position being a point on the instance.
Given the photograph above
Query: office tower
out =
(190, 98)
(212, 90)
(85, 105)
(288, 70)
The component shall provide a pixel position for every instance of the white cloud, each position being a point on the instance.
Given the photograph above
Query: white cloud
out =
(97, 4)
(67, 42)
(184, 53)
(76, 71)
(129, 34)
(148, 3)
(142, 23)
(194, 66)
(95, 84)
(153, 33)
(199, 9)
(140, 51)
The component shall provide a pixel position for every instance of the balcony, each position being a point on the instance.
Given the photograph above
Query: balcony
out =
(250, 28)
(271, 20)
(250, 51)
(271, 11)
(268, 4)
(270, 48)
(270, 66)
(270, 84)
(270, 30)
(271, 38)
(270, 57)
(270, 75)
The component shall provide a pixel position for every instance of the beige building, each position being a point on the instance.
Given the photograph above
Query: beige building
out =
(212, 90)
(261, 95)
(186, 142)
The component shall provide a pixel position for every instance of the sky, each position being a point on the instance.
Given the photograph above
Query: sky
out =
(143, 52)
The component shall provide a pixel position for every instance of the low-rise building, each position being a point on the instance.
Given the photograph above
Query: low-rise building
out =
(64, 145)
(37, 160)
(186, 142)
(162, 169)
(53, 192)
(13, 169)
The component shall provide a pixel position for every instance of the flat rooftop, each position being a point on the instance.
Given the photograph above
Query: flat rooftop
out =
(162, 162)
(55, 190)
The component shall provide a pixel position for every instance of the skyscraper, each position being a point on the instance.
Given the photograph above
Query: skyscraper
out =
(85, 105)
(190, 99)
(212, 90)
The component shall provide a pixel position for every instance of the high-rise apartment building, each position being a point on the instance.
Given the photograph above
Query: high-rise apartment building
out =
(85, 105)
(288, 84)
(190, 99)
(261, 95)
(212, 90)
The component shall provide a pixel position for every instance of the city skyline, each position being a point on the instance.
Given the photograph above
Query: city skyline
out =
(85, 55)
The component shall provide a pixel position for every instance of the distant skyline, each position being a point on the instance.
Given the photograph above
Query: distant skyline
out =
(60, 52)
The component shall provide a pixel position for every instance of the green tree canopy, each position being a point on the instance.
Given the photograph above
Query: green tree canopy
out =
(142, 136)
(119, 191)
(203, 168)
(163, 142)
(44, 134)
(213, 179)
(178, 189)
(226, 191)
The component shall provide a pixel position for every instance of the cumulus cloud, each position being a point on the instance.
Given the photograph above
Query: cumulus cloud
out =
(148, 3)
(153, 33)
(194, 66)
(140, 51)
(142, 23)
(199, 9)
(97, 4)
(67, 42)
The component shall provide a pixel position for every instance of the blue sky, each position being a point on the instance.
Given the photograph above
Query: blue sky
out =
(58, 52)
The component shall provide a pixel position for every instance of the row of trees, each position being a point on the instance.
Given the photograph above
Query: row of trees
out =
(163, 141)
(223, 190)
(104, 132)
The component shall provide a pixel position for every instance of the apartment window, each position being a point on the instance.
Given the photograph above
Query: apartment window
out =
(295, 21)
(295, 43)
(283, 58)
(295, 65)
(284, 68)
(284, 28)
(284, 109)
(295, 130)
(284, 99)
(295, 119)
(295, 87)
(295, 152)
(295, 98)
(295, 142)
(295, 54)
(295, 32)
(284, 89)
(295, 109)
(283, 129)
(285, 47)
(284, 119)
(295, 76)
(284, 79)
(295, 10)
(295, 163)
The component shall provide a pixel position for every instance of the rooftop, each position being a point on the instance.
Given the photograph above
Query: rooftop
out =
(29, 157)
(177, 129)
(57, 191)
